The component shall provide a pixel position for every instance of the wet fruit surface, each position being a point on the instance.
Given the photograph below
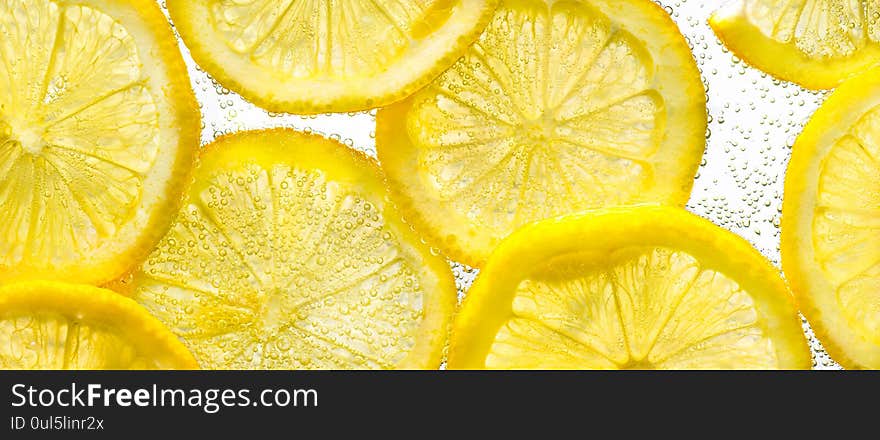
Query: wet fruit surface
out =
(627, 288)
(831, 222)
(286, 255)
(314, 56)
(753, 122)
(94, 131)
(66, 326)
(815, 43)
(558, 107)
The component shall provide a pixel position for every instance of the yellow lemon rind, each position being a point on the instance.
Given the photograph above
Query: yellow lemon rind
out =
(87, 303)
(784, 60)
(594, 233)
(842, 109)
(146, 16)
(275, 94)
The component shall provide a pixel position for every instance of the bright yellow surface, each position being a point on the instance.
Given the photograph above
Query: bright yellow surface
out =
(814, 43)
(287, 255)
(560, 106)
(98, 127)
(314, 56)
(831, 222)
(47, 325)
(628, 288)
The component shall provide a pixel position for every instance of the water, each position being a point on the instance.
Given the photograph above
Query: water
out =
(753, 122)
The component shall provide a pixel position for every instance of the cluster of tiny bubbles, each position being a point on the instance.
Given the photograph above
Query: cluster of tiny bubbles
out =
(753, 121)
(464, 277)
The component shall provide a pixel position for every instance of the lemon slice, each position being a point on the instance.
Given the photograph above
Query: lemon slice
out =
(831, 222)
(52, 325)
(628, 288)
(814, 43)
(287, 256)
(316, 56)
(98, 128)
(560, 106)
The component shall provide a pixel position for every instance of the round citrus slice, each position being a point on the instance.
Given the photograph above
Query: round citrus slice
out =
(628, 288)
(814, 43)
(831, 222)
(52, 325)
(560, 106)
(316, 56)
(98, 128)
(288, 256)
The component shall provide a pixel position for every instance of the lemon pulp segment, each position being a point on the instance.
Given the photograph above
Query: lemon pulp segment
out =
(628, 288)
(815, 43)
(831, 222)
(559, 106)
(313, 56)
(50, 325)
(98, 126)
(286, 255)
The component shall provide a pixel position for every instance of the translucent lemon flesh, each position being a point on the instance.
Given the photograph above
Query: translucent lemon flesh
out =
(558, 107)
(286, 256)
(581, 297)
(342, 46)
(658, 309)
(89, 141)
(61, 326)
(846, 225)
(341, 39)
(835, 28)
(816, 43)
(831, 222)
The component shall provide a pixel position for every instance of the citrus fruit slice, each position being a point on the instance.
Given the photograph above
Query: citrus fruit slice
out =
(52, 325)
(831, 222)
(560, 106)
(98, 128)
(814, 43)
(645, 287)
(286, 255)
(317, 56)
